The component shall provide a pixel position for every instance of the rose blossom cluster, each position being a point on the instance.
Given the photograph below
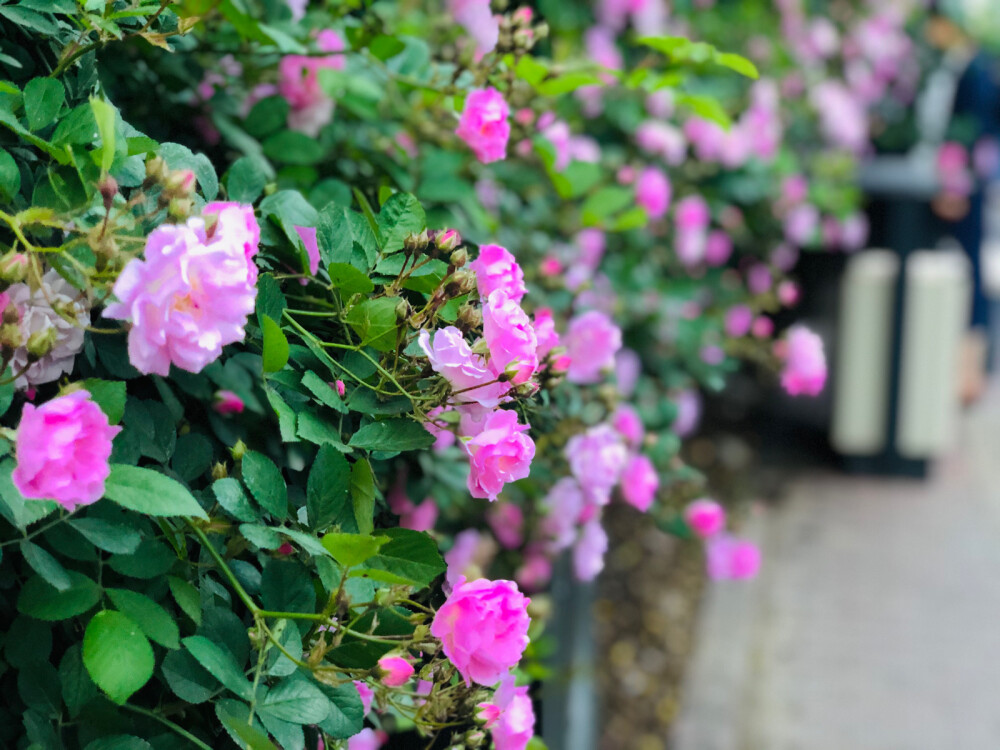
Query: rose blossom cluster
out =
(310, 107)
(191, 293)
(803, 362)
(726, 556)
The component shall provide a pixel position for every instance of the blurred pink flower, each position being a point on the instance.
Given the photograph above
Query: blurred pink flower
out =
(739, 318)
(499, 454)
(483, 124)
(629, 425)
(366, 694)
(652, 192)
(227, 402)
(298, 82)
(591, 341)
(705, 517)
(476, 17)
(804, 371)
(597, 457)
(510, 337)
(507, 522)
(718, 248)
(589, 550)
(731, 558)
(639, 482)
(515, 725)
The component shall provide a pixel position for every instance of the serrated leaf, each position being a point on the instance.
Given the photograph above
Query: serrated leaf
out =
(154, 620)
(219, 663)
(117, 655)
(275, 345)
(46, 566)
(328, 488)
(43, 98)
(392, 435)
(352, 549)
(363, 496)
(149, 492)
(42, 601)
(262, 476)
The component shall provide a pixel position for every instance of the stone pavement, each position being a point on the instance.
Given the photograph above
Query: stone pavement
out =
(875, 623)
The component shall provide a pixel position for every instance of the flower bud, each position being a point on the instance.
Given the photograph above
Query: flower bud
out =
(403, 310)
(109, 189)
(10, 337)
(156, 168)
(180, 208)
(447, 240)
(227, 402)
(181, 183)
(526, 390)
(469, 318)
(395, 670)
(414, 243)
(41, 343)
(465, 280)
(219, 471)
(13, 267)
(459, 258)
(238, 451)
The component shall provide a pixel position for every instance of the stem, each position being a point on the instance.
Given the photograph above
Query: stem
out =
(167, 723)
(237, 587)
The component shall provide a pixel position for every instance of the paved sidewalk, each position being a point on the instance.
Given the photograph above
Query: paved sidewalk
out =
(875, 624)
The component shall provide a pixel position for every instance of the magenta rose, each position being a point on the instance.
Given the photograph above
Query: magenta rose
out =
(496, 268)
(591, 343)
(62, 451)
(452, 358)
(515, 723)
(510, 337)
(483, 629)
(639, 483)
(705, 517)
(483, 124)
(730, 558)
(500, 453)
(805, 363)
(652, 192)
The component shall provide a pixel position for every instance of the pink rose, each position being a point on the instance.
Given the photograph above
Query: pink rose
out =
(763, 327)
(854, 232)
(639, 483)
(496, 268)
(308, 237)
(310, 108)
(663, 140)
(589, 551)
(805, 363)
(515, 725)
(235, 223)
(626, 420)
(366, 694)
(628, 368)
(705, 517)
(452, 358)
(476, 17)
(395, 670)
(730, 558)
(692, 213)
(227, 402)
(597, 458)
(759, 279)
(470, 554)
(801, 224)
(545, 332)
(483, 629)
(500, 453)
(739, 318)
(688, 416)
(563, 506)
(187, 299)
(367, 739)
(535, 572)
(483, 124)
(718, 248)
(652, 192)
(62, 451)
(420, 517)
(510, 337)
(591, 343)
(507, 522)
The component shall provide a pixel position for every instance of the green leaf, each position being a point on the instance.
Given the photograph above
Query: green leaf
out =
(118, 539)
(14, 506)
(153, 619)
(411, 556)
(363, 496)
(44, 602)
(46, 566)
(267, 116)
(230, 495)
(324, 392)
(262, 476)
(270, 301)
(77, 687)
(292, 147)
(149, 492)
(738, 63)
(297, 700)
(320, 431)
(246, 179)
(187, 678)
(240, 729)
(287, 418)
(567, 82)
(383, 47)
(352, 549)
(43, 97)
(327, 488)
(374, 320)
(119, 742)
(347, 716)
(104, 115)
(605, 202)
(109, 395)
(287, 586)
(392, 435)
(219, 663)
(76, 128)
(10, 177)
(117, 655)
(401, 216)
(275, 345)
(151, 560)
(349, 279)
(187, 598)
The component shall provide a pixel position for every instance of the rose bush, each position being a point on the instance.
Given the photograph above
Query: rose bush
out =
(299, 408)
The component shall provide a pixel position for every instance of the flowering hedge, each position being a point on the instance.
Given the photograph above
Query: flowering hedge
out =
(327, 327)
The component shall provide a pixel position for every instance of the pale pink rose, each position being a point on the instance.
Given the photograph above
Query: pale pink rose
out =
(625, 175)
(660, 104)
(652, 192)
(496, 268)
(729, 558)
(452, 358)
(308, 237)
(236, 223)
(788, 293)
(515, 725)
(367, 739)
(187, 299)
(591, 341)
(510, 337)
(759, 279)
(596, 458)
(830, 231)
(629, 425)
(801, 224)
(444, 436)
(763, 327)
(688, 404)
(507, 522)
(298, 8)
(804, 369)
(501, 453)
(689, 245)
(603, 49)
(395, 670)
(718, 248)
(545, 332)
(854, 232)
(707, 137)
(843, 119)
(479, 23)
(227, 402)
(591, 244)
(563, 507)
(420, 517)
(310, 108)
(639, 483)
(470, 554)
(535, 572)
(589, 551)
(62, 451)
(483, 124)
(794, 189)
(483, 629)
(663, 140)
(559, 135)
(739, 318)
(366, 694)
(705, 517)
(628, 368)
(712, 355)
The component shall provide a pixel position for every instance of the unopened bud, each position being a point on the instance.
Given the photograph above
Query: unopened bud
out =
(219, 471)
(180, 208)
(413, 243)
(41, 343)
(156, 168)
(526, 390)
(11, 314)
(181, 183)
(13, 267)
(403, 310)
(447, 240)
(465, 281)
(459, 258)
(469, 317)
(109, 189)
(10, 337)
(523, 16)
(238, 451)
